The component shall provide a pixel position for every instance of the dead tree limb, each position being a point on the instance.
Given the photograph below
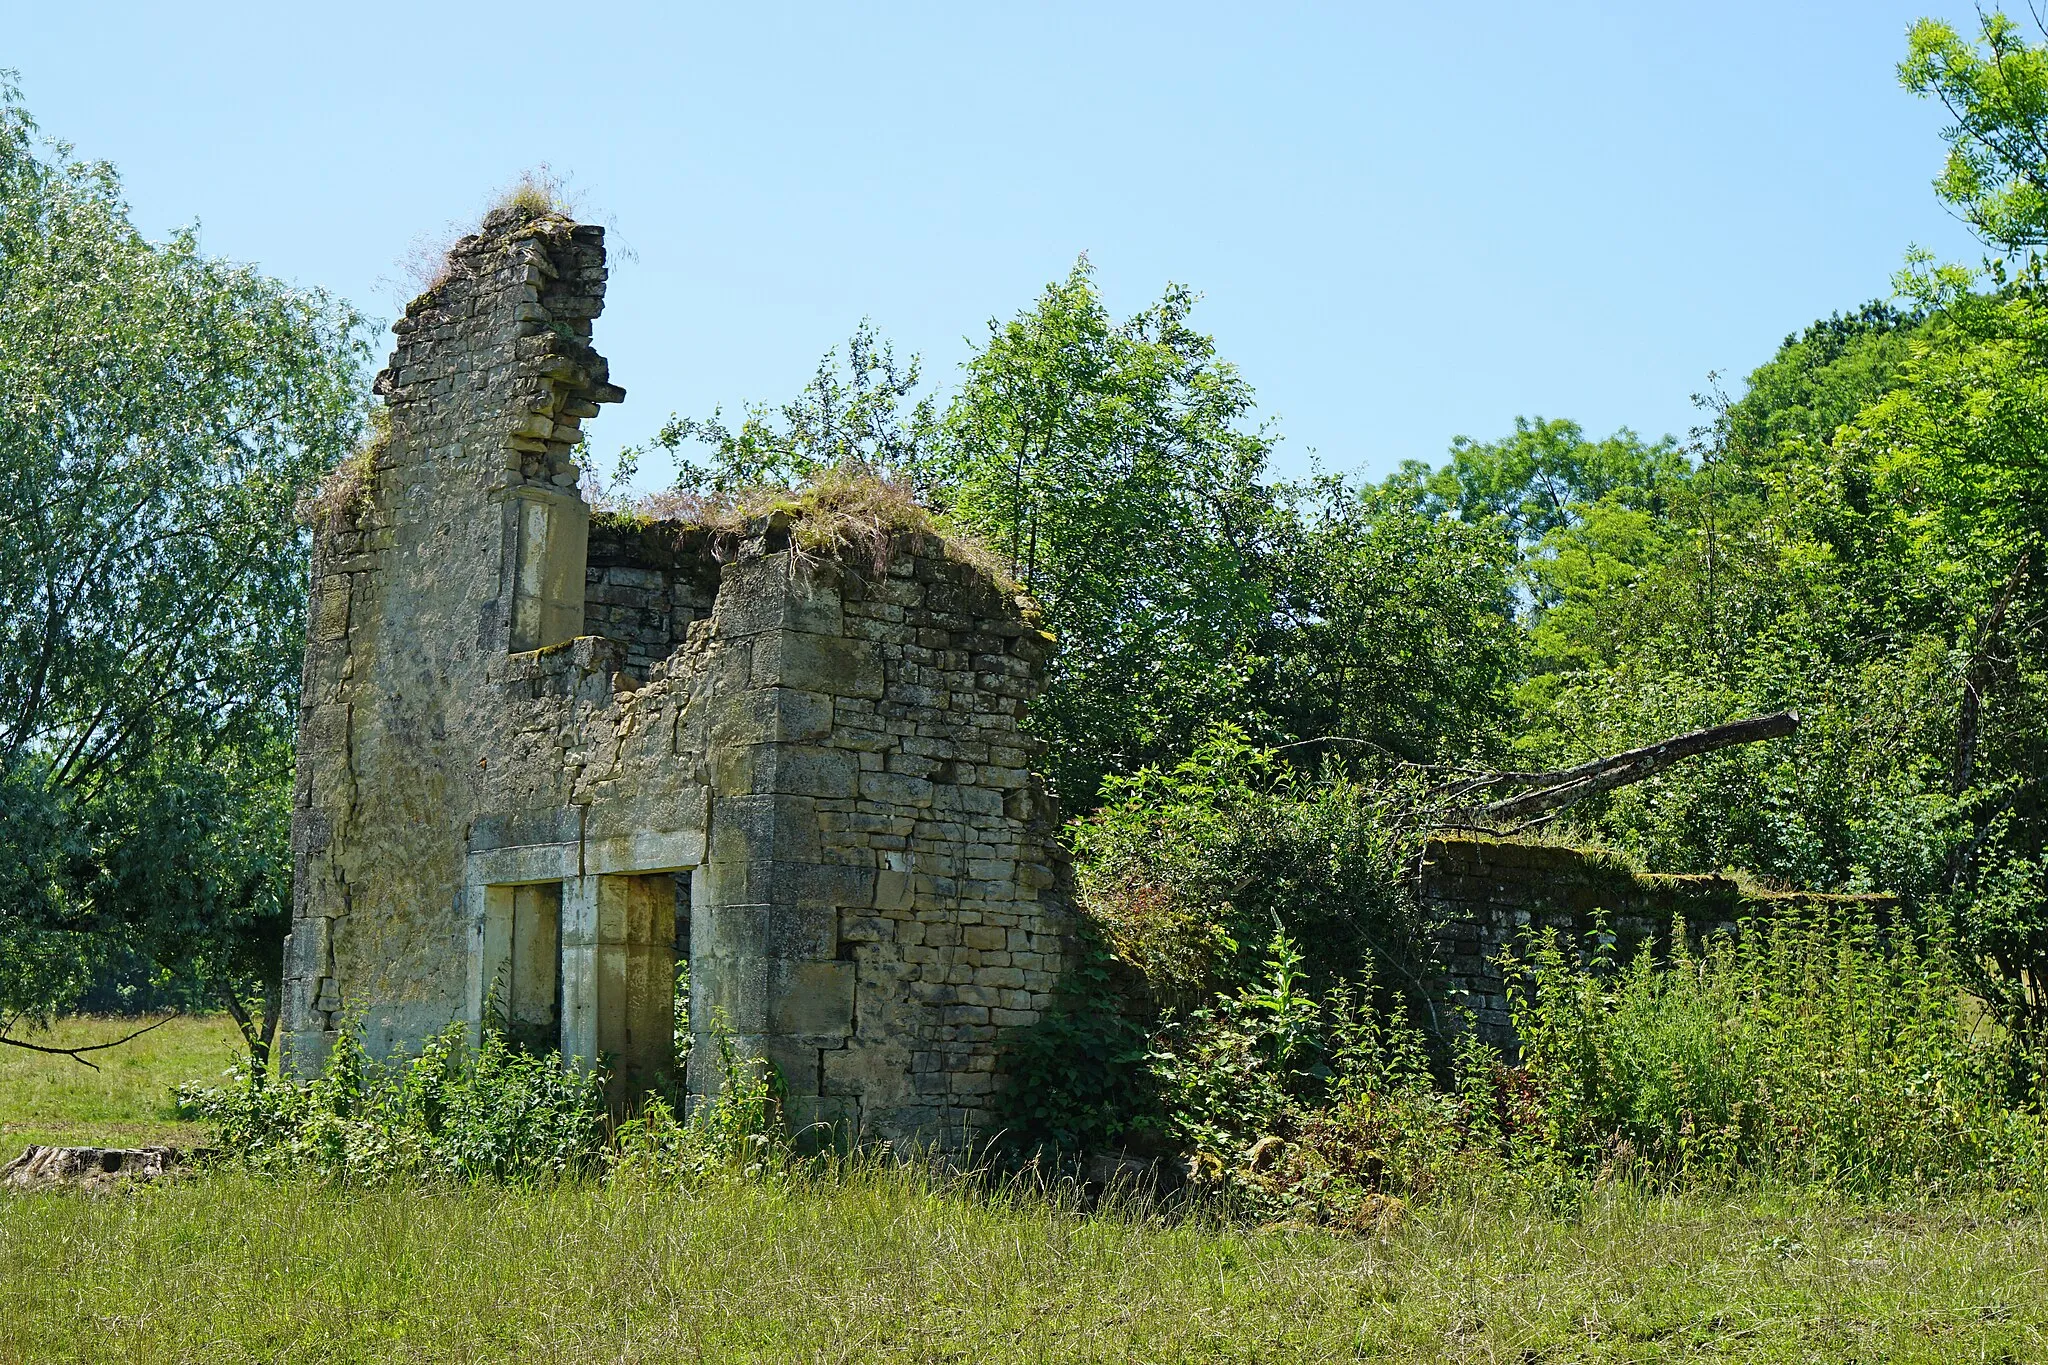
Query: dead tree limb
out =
(1565, 786)
(74, 1052)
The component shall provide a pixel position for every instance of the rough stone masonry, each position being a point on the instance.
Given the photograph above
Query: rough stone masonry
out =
(807, 774)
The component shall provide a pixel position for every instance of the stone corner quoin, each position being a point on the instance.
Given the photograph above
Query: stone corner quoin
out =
(541, 759)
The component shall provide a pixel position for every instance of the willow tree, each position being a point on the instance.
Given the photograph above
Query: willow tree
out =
(160, 413)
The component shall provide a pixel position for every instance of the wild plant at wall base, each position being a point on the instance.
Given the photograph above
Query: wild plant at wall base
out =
(457, 1111)
(1811, 1048)
(741, 1131)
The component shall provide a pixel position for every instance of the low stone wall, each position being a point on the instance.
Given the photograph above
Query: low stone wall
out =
(1486, 893)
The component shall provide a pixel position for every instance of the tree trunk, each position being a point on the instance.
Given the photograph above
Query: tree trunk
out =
(258, 1041)
(1567, 786)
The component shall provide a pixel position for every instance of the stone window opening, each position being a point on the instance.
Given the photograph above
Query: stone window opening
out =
(548, 535)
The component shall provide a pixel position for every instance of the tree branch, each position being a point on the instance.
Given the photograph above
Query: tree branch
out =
(1567, 786)
(74, 1053)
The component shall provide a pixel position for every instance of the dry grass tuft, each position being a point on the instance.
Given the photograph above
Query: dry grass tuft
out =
(854, 516)
(538, 193)
(428, 262)
(343, 493)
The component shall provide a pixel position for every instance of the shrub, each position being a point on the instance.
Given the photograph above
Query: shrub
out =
(1812, 1049)
(456, 1111)
(1185, 871)
(1289, 1105)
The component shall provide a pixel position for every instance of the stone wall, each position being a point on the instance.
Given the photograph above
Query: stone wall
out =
(1487, 892)
(644, 583)
(424, 578)
(532, 748)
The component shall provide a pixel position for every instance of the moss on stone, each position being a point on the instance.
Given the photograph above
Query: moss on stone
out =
(345, 491)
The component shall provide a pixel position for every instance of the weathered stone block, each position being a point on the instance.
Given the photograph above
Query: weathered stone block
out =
(812, 999)
(818, 663)
(772, 715)
(791, 769)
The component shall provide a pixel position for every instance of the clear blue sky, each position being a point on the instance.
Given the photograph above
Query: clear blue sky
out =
(1408, 222)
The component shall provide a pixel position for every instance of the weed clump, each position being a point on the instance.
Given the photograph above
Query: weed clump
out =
(454, 1112)
(848, 513)
(345, 491)
(484, 1111)
(1810, 1049)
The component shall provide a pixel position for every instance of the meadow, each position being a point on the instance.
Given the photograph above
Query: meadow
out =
(128, 1101)
(893, 1262)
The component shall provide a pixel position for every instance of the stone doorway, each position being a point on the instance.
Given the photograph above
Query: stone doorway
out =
(586, 967)
(619, 970)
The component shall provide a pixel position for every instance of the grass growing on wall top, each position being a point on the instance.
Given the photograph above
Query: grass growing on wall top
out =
(850, 514)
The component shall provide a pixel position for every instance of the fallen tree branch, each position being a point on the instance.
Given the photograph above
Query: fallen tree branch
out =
(74, 1052)
(1566, 786)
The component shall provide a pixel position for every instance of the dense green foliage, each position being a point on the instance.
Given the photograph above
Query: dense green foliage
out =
(1996, 176)
(453, 1112)
(1811, 1050)
(1302, 1077)
(160, 413)
(1187, 871)
(465, 1110)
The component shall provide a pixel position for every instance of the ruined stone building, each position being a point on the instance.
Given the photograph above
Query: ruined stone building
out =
(540, 759)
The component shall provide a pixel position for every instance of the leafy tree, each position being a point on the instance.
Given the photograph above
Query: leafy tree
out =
(1857, 545)
(1996, 175)
(1111, 464)
(160, 412)
(1535, 478)
(854, 413)
(1820, 379)
(1963, 462)
(1389, 625)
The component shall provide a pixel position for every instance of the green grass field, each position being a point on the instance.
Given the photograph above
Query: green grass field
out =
(127, 1102)
(884, 1266)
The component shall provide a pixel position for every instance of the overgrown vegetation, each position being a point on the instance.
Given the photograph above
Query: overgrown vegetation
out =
(454, 1112)
(485, 1109)
(1249, 1015)
(1262, 691)
(1813, 1050)
(843, 512)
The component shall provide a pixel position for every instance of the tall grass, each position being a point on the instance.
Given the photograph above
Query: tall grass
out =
(892, 1262)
